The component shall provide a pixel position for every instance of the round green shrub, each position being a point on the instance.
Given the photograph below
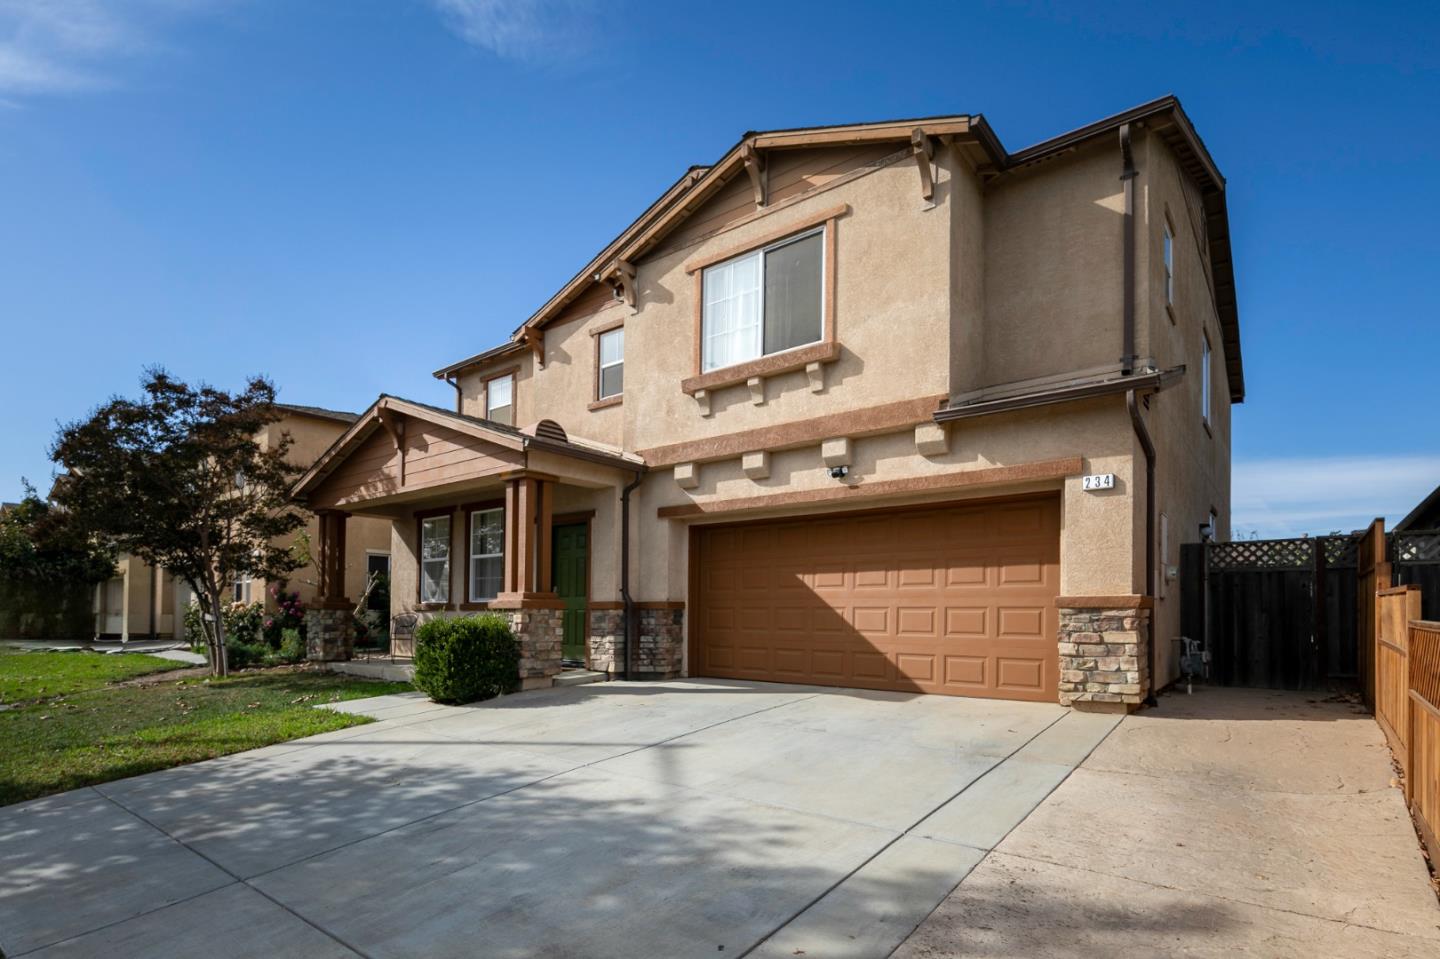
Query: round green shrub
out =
(467, 659)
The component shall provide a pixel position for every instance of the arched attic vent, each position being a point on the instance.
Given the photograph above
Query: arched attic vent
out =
(547, 430)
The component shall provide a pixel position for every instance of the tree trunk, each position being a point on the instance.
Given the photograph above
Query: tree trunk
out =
(219, 662)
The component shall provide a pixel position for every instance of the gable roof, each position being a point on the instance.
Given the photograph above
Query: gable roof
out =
(319, 412)
(1426, 515)
(508, 437)
(1164, 116)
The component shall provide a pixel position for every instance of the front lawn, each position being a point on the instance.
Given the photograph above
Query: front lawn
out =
(101, 733)
(33, 675)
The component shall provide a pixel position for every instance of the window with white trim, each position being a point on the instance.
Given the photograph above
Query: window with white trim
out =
(500, 399)
(487, 554)
(610, 377)
(1205, 364)
(766, 301)
(1169, 261)
(240, 587)
(435, 559)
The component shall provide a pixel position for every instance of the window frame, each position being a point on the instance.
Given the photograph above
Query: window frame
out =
(513, 373)
(601, 366)
(760, 251)
(471, 511)
(1167, 261)
(242, 588)
(1207, 386)
(421, 518)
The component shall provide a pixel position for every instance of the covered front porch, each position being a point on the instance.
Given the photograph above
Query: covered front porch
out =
(484, 517)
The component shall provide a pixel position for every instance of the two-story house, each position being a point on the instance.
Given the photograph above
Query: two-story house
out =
(141, 602)
(878, 405)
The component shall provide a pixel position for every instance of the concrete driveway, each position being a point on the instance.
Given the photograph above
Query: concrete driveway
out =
(671, 819)
(1229, 823)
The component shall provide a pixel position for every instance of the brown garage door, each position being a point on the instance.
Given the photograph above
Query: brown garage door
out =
(958, 600)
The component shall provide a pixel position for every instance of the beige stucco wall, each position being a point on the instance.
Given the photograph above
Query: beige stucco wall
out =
(1192, 463)
(1053, 278)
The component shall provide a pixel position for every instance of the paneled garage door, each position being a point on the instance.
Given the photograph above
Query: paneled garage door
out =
(958, 600)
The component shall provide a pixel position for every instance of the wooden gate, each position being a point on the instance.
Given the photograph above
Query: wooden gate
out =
(1277, 614)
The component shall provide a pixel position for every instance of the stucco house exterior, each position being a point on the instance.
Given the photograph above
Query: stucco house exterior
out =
(879, 405)
(141, 602)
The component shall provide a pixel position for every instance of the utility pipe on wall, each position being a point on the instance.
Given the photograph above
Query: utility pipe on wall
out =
(628, 603)
(1143, 435)
(1127, 180)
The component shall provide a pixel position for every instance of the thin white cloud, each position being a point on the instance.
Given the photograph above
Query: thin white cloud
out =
(1287, 497)
(520, 29)
(65, 46)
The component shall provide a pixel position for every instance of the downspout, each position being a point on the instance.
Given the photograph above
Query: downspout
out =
(1127, 179)
(1127, 368)
(631, 629)
(1143, 435)
(455, 382)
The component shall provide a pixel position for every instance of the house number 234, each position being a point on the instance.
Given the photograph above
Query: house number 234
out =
(1098, 481)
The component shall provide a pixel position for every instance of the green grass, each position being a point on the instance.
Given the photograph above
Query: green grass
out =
(108, 732)
(25, 676)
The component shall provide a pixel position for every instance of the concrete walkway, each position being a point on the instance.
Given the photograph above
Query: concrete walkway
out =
(1228, 823)
(691, 818)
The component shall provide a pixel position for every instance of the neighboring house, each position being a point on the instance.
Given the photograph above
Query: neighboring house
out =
(849, 384)
(139, 603)
(1425, 515)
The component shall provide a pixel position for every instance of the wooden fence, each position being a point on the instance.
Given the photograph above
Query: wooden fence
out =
(1422, 778)
(1407, 699)
(1395, 607)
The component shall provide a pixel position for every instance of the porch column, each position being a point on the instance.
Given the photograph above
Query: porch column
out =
(329, 634)
(536, 615)
(331, 558)
(528, 522)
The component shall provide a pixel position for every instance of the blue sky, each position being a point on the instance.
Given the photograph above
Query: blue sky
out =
(227, 187)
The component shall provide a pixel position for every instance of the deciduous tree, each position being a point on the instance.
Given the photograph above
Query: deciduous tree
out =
(179, 479)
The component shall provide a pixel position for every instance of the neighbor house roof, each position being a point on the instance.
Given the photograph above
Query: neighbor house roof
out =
(1424, 516)
(320, 412)
(1164, 116)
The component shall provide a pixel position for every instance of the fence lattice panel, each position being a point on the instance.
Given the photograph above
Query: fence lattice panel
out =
(1263, 554)
(1416, 547)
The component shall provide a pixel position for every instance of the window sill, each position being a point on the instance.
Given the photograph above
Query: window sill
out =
(607, 402)
(432, 607)
(766, 366)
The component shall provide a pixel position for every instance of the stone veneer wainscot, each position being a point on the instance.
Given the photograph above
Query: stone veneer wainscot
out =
(1104, 655)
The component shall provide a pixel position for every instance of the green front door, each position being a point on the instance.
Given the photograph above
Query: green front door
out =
(571, 554)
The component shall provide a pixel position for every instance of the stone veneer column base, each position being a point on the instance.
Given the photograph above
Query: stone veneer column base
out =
(660, 650)
(329, 633)
(1104, 662)
(607, 641)
(660, 653)
(541, 632)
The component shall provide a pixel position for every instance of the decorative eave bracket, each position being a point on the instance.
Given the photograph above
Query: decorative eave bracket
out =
(534, 340)
(924, 152)
(394, 425)
(758, 172)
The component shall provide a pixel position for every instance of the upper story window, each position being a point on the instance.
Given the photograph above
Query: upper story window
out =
(500, 399)
(763, 302)
(487, 554)
(1205, 388)
(240, 587)
(435, 559)
(1169, 260)
(610, 375)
